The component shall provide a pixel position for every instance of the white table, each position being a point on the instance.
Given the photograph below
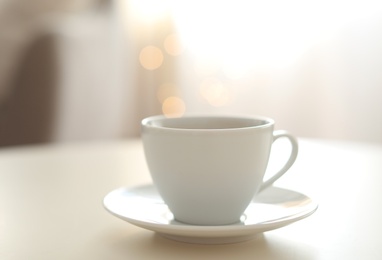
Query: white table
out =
(51, 205)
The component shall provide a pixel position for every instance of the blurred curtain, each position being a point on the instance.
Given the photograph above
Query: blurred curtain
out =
(28, 109)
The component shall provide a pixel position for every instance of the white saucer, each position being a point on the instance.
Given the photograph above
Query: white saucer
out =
(273, 208)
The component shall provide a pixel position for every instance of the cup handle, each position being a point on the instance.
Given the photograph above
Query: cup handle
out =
(293, 155)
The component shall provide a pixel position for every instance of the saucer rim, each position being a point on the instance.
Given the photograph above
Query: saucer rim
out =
(208, 231)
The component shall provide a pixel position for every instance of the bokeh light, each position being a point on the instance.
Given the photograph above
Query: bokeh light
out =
(151, 57)
(215, 92)
(173, 45)
(173, 107)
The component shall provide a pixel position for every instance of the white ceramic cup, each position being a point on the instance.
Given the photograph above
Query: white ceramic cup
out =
(208, 168)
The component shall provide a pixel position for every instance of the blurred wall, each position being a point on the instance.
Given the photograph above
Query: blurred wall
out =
(103, 66)
(62, 72)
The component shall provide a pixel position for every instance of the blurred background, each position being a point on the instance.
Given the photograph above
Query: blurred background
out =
(78, 70)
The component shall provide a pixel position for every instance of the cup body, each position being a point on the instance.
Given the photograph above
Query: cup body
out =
(207, 169)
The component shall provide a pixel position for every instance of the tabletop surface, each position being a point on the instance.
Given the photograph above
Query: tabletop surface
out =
(51, 205)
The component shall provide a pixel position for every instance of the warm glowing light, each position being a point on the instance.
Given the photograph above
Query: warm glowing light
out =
(166, 90)
(240, 35)
(148, 11)
(173, 107)
(151, 57)
(244, 34)
(215, 92)
(173, 45)
(255, 33)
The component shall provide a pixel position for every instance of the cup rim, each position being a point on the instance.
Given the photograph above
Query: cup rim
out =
(148, 122)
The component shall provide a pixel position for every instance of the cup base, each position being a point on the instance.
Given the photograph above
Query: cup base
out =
(211, 222)
(213, 240)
